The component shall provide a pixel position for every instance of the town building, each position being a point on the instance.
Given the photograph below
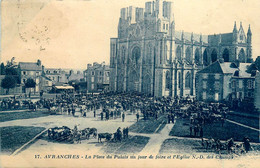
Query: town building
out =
(97, 77)
(31, 70)
(75, 75)
(226, 81)
(151, 57)
(257, 91)
(56, 75)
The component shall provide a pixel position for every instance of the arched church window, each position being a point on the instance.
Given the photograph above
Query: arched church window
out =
(241, 56)
(136, 54)
(188, 81)
(167, 53)
(123, 55)
(188, 55)
(226, 55)
(214, 56)
(179, 79)
(197, 56)
(205, 58)
(178, 53)
(167, 81)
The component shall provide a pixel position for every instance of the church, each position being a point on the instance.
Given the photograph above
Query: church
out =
(150, 57)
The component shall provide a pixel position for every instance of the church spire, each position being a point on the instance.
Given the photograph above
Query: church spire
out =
(249, 31)
(235, 27)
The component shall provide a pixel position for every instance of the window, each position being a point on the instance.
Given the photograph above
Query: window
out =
(92, 73)
(217, 85)
(240, 84)
(166, 26)
(188, 81)
(217, 76)
(92, 79)
(163, 26)
(168, 81)
(204, 84)
(205, 76)
(204, 95)
(233, 84)
(249, 84)
(92, 86)
(179, 80)
(24, 72)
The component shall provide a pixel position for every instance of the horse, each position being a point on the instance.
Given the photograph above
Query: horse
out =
(106, 135)
(93, 131)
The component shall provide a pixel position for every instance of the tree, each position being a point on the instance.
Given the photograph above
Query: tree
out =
(2, 68)
(8, 82)
(257, 63)
(30, 83)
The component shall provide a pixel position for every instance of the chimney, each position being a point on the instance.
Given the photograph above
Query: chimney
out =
(39, 63)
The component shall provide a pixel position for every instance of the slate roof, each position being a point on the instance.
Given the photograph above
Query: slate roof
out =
(217, 67)
(29, 66)
(243, 67)
(187, 36)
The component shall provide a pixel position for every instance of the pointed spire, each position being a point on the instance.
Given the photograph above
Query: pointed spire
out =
(249, 30)
(191, 36)
(240, 24)
(235, 27)
(200, 37)
(182, 35)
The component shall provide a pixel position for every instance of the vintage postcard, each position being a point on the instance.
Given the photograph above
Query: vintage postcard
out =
(130, 83)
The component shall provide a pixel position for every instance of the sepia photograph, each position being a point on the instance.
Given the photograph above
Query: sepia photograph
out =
(130, 83)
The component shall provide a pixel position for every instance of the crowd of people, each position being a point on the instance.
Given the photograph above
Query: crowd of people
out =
(115, 105)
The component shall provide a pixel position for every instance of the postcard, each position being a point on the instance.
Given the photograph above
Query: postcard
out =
(129, 83)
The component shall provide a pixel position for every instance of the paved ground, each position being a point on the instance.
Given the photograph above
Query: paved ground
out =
(88, 147)
(91, 145)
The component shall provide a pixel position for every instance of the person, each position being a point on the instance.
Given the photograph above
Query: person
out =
(94, 113)
(126, 132)
(169, 118)
(119, 134)
(190, 129)
(84, 114)
(123, 117)
(137, 116)
(246, 144)
(69, 110)
(230, 145)
(173, 117)
(102, 115)
(201, 132)
(222, 122)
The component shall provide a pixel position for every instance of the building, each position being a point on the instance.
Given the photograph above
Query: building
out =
(75, 75)
(151, 57)
(225, 81)
(97, 77)
(257, 91)
(31, 70)
(56, 75)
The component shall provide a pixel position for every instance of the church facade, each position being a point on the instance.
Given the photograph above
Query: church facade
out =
(150, 57)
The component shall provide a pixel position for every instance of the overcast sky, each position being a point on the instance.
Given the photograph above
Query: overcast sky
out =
(73, 33)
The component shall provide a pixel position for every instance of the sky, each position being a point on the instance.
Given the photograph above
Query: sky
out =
(74, 33)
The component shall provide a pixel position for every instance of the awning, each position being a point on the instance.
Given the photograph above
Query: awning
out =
(64, 87)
